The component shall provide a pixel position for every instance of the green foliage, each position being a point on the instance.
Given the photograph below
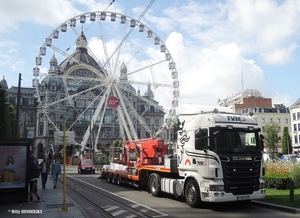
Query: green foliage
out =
(277, 182)
(117, 143)
(7, 116)
(286, 142)
(278, 175)
(271, 137)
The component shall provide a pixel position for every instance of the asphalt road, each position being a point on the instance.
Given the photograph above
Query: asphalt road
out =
(174, 207)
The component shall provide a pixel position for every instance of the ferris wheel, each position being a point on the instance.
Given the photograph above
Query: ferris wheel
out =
(104, 60)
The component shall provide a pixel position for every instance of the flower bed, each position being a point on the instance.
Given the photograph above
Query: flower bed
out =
(280, 175)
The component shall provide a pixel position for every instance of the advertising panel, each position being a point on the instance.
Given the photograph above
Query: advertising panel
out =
(14, 154)
(13, 166)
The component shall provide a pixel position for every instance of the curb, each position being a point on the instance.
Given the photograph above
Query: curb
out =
(277, 207)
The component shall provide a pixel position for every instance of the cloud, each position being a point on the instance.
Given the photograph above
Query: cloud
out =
(207, 74)
(279, 56)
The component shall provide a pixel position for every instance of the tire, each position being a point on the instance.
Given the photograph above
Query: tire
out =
(113, 179)
(154, 185)
(119, 181)
(108, 177)
(192, 194)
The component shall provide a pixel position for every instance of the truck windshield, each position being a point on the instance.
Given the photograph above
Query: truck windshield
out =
(234, 141)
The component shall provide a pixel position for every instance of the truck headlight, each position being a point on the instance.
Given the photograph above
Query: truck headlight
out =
(216, 188)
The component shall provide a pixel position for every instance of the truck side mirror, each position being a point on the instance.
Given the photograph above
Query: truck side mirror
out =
(261, 140)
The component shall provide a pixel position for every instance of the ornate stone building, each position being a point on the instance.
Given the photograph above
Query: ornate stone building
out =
(77, 76)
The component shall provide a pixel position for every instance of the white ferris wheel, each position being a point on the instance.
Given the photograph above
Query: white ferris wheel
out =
(109, 61)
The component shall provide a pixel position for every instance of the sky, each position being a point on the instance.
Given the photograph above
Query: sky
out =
(220, 47)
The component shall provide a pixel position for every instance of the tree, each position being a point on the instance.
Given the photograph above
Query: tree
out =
(7, 116)
(271, 137)
(286, 142)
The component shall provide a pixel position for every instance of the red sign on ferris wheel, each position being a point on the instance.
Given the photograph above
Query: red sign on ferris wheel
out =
(113, 102)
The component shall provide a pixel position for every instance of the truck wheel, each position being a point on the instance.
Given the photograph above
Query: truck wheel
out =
(192, 194)
(154, 185)
(108, 177)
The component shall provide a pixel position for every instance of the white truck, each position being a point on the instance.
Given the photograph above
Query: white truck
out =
(217, 157)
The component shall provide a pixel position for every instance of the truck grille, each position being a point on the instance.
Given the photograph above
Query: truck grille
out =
(241, 177)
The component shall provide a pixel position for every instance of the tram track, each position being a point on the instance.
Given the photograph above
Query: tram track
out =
(107, 204)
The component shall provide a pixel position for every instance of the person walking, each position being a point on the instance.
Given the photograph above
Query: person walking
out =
(55, 171)
(32, 178)
(45, 170)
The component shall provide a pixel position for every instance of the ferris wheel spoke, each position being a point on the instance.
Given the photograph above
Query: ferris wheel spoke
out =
(114, 55)
(94, 118)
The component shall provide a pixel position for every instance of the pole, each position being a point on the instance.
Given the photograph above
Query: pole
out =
(18, 108)
(64, 207)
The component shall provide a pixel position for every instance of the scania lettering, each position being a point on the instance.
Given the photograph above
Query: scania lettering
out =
(214, 156)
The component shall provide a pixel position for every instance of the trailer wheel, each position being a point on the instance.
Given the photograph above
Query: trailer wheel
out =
(118, 180)
(108, 177)
(192, 193)
(114, 179)
(154, 185)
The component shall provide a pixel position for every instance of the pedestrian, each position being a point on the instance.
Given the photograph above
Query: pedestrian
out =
(32, 178)
(68, 160)
(55, 171)
(45, 170)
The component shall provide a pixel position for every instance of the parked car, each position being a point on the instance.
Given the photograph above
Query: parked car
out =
(86, 166)
(287, 158)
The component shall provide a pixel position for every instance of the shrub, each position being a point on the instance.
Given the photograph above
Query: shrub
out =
(278, 175)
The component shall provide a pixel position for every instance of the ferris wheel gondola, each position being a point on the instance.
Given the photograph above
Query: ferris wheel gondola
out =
(102, 61)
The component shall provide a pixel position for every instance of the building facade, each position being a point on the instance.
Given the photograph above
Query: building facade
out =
(268, 115)
(246, 99)
(295, 125)
(67, 96)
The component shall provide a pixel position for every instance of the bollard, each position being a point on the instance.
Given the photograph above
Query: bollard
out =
(292, 187)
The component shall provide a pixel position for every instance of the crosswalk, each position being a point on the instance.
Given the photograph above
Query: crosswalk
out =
(117, 211)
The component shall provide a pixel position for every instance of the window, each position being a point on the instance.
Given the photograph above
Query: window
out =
(294, 116)
(298, 115)
(29, 118)
(286, 121)
(295, 127)
(30, 102)
(298, 126)
(278, 120)
(148, 122)
(156, 122)
(107, 117)
(263, 120)
(25, 101)
(41, 129)
(296, 139)
(271, 120)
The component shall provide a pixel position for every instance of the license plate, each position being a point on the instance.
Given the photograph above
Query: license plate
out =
(243, 198)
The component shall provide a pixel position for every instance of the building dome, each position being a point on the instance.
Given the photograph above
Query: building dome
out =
(53, 61)
(3, 82)
(80, 55)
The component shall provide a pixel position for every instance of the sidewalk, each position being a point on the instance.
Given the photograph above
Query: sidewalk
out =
(50, 207)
